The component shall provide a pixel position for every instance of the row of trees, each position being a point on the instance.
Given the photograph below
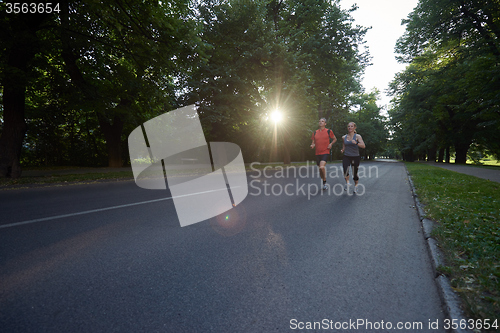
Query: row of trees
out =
(74, 83)
(76, 80)
(448, 98)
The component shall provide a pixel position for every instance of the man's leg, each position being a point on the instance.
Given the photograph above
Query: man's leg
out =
(322, 173)
(322, 170)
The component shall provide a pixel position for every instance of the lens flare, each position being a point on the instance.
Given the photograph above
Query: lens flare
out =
(276, 116)
(231, 223)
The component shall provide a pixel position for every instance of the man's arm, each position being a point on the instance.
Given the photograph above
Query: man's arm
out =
(331, 143)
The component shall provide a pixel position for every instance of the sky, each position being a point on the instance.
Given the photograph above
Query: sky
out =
(384, 16)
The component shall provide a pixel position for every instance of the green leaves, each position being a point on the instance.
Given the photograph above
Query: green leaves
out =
(298, 56)
(103, 67)
(370, 124)
(453, 50)
(436, 22)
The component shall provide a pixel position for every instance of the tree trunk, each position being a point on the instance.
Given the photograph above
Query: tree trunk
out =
(461, 154)
(14, 129)
(448, 155)
(440, 155)
(15, 80)
(408, 156)
(286, 148)
(431, 155)
(113, 134)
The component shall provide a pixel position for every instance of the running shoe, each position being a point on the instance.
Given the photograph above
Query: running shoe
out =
(356, 189)
(325, 187)
(346, 187)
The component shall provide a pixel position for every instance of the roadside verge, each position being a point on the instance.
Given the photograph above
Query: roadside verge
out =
(460, 217)
(451, 301)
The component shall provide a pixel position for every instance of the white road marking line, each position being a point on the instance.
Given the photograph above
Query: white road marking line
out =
(15, 224)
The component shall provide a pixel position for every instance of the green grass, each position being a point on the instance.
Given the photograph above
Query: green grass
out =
(84, 177)
(467, 212)
(488, 162)
(485, 162)
(491, 166)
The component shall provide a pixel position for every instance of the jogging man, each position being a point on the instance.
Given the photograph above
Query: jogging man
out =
(321, 140)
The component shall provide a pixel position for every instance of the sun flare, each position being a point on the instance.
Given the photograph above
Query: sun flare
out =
(276, 116)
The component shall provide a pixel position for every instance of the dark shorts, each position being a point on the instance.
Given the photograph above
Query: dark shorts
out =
(320, 158)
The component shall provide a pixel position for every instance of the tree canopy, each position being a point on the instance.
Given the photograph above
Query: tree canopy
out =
(449, 95)
(76, 82)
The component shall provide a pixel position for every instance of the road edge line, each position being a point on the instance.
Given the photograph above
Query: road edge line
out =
(15, 224)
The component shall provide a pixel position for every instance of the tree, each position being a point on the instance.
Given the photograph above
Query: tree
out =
(126, 60)
(296, 56)
(124, 57)
(99, 69)
(19, 45)
(453, 49)
(371, 124)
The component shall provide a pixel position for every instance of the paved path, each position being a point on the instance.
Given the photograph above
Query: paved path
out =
(111, 257)
(490, 174)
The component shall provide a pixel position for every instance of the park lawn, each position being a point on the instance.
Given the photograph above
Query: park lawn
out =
(83, 177)
(467, 212)
(488, 162)
(493, 165)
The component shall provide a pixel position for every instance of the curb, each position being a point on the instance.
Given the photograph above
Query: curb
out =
(451, 301)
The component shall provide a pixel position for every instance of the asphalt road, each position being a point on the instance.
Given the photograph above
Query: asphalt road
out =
(111, 257)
